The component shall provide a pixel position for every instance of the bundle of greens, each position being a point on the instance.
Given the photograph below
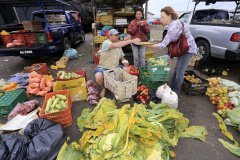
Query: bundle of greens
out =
(133, 133)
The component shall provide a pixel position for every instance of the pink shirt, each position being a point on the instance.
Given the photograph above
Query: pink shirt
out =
(174, 31)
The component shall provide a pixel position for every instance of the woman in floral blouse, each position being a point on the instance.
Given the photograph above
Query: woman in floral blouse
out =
(169, 17)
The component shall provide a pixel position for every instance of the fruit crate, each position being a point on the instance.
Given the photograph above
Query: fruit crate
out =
(6, 39)
(82, 73)
(10, 99)
(64, 117)
(194, 89)
(76, 87)
(158, 72)
(209, 68)
(19, 37)
(41, 37)
(100, 39)
(40, 68)
(30, 37)
(122, 84)
(146, 81)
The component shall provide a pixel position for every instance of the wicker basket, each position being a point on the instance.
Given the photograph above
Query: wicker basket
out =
(122, 90)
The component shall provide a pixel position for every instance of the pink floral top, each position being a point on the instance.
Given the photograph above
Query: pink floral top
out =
(174, 31)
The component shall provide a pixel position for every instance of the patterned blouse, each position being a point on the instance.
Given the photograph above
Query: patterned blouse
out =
(174, 31)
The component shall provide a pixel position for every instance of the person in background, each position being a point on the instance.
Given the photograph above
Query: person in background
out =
(169, 17)
(138, 28)
(110, 54)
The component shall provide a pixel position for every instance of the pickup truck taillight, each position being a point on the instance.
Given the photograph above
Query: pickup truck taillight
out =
(49, 36)
(235, 37)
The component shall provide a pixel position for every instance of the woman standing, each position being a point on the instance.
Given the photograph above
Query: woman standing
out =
(138, 28)
(169, 17)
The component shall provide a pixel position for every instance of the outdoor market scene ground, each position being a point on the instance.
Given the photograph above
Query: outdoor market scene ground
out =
(198, 109)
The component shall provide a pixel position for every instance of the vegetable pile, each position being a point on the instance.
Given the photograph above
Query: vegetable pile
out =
(143, 92)
(69, 75)
(130, 132)
(133, 71)
(56, 103)
(157, 61)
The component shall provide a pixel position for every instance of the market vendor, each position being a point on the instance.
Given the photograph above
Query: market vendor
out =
(110, 54)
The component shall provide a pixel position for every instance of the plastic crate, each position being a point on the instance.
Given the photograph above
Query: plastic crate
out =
(30, 37)
(10, 99)
(42, 69)
(19, 37)
(77, 88)
(146, 81)
(122, 90)
(82, 73)
(209, 68)
(158, 73)
(100, 39)
(149, 54)
(6, 39)
(194, 89)
(41, 37)
(64, 117)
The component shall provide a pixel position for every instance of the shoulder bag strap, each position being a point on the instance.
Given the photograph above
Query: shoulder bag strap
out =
(182, 27)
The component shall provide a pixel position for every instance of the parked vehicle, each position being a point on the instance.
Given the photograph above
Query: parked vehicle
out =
(214, 34)
(76, 15)
(156, 22)
(60, 33)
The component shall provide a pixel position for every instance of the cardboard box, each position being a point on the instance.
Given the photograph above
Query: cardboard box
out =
(32, 25)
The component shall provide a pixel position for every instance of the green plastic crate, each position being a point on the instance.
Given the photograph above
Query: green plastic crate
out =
(41, 37)
(10, 99)
(146, 81)
(158, 73)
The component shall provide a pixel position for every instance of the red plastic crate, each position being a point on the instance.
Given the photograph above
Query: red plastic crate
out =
(82, 73)
(19, 37)
(30, 37)
(7, 39)
(43, 70)
(64, 117)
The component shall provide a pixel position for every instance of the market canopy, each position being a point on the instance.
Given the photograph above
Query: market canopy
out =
(116, 1)
(32, 3)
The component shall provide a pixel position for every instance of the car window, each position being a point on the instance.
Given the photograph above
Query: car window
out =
(184, 17)
(200, 16)
(74, 14)
(72, 19)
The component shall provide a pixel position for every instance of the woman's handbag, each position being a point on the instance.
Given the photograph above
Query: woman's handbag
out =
(180, 47)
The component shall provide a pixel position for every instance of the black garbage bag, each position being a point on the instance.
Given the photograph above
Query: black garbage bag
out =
(99, 26)
(152, 98)
(13, 146)
(47, 138)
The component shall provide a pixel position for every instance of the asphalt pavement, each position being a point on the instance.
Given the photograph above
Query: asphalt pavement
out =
(198, 109)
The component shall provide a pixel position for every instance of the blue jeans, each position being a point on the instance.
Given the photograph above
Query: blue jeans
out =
(180, 68)
(101, 70)
(137, 49)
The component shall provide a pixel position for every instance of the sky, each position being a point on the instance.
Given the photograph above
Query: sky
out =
(154, 6)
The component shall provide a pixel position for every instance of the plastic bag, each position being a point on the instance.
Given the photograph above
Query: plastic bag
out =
(34, 85)
(71, 53)
(171, 98)
(93, 102)
(34, 80)
(34, 74)
(23, 108)
(47, 139)
(160, 91)
(43, 83)
(103, 33)
(92, 97)
(90, 83)
(10, 45)
(152, 98)
(13, 146)
(42, 93)
(92, 90)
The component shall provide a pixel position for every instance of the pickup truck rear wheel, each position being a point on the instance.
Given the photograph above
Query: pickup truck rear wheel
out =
(203, 50)
(66, 43)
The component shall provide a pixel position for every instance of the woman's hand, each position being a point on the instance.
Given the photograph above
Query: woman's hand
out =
(143, 23)
(136, 40)
(139, 23)
(151, 45)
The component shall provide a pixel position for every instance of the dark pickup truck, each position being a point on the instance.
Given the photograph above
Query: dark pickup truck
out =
(59, 35)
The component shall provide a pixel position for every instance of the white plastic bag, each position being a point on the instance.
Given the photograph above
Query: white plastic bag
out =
(171, 98)
(160, 91)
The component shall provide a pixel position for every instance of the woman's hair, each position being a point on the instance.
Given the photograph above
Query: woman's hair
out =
(169, 11)
(138, 9)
